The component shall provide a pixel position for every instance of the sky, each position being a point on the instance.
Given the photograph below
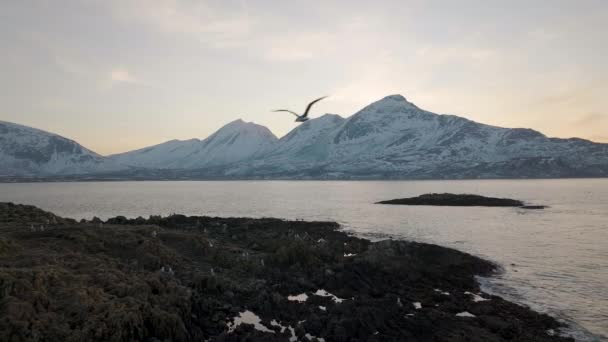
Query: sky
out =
(117, 75)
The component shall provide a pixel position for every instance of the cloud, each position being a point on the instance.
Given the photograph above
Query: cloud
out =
(375, 77)
(122, 75)
(566, 89)
(299, 46)
(345, 39)
(70, 66)
(450, 54)
(591, 119)
(219, 27)
(542, 35)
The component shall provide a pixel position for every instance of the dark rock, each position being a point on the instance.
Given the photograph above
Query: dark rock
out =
(28, 214)
(118, 220)
(495, 324)
(75, 282)
(463, 200)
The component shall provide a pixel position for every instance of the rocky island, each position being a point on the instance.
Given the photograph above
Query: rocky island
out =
(461, 200)
(197, 278)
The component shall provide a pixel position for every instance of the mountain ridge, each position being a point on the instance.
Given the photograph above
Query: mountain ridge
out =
(389, 138)
(394, 138)
(31, 151)
(237, 140)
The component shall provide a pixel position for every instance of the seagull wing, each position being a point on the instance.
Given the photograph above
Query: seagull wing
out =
(285, 110)
(310, 105)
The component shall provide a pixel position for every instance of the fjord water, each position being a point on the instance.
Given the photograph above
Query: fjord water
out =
(555, 260)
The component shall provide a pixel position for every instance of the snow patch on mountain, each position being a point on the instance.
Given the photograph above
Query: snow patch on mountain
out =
(159, 156)
(305, 144)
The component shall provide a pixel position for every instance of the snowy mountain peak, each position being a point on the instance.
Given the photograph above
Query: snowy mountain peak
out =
(387, 109)
(245, 127)
(311, 127)
(376, 121)
(236, 141)
(30, 151)
(396, 100)
(10, 127)
(236, 123)
(329, 116)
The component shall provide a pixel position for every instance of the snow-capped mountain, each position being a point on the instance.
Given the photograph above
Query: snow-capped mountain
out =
(235, 142)
(393, 138)
(304, 145)
(26, 151)
(400, 138)
(390, 138)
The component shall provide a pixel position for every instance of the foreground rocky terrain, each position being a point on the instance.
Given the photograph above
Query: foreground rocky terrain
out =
(181, 278)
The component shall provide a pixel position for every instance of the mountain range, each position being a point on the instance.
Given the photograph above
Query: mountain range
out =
(389, 139)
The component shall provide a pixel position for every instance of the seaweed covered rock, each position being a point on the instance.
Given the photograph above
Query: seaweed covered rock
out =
(195, 278)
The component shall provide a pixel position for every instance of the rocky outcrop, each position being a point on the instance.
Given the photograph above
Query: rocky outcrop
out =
(28, 214)
(181, 278)
(459, 200)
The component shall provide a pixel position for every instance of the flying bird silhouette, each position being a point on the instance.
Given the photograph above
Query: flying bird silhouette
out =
(303, 117)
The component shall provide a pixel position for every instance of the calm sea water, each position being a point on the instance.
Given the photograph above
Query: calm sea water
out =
(555, 260)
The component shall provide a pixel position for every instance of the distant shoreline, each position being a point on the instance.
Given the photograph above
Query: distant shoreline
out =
(9, 180)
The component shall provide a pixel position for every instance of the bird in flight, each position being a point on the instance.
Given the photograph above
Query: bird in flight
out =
(303, 117)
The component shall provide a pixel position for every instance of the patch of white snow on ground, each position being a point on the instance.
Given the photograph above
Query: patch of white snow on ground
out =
(349, 255)
(301, 298)
(417, 305)
(442, 292)
(322, 308)
(248, 317)
(293, 337)
(476, 298)
(465, 314)
(323, 293)
(310, 338)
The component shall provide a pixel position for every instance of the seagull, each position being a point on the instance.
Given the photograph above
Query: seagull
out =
(303, 117)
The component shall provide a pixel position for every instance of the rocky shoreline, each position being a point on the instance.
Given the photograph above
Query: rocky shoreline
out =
(198, 278)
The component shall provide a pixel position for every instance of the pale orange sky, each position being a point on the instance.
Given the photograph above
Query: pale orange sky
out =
(123, 74)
